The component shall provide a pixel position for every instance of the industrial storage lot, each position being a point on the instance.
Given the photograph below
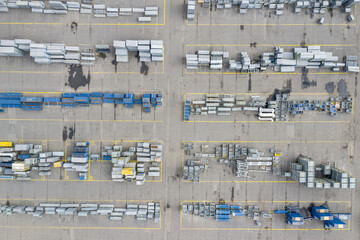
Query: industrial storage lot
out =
(314, 134)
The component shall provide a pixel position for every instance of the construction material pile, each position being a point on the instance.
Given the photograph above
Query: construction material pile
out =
(79, 160)
(147, 50)
(141, 212)
(224, 212)
(86, 7)
(46, 53)
(242, 160)
(191, 10)
(272, 110)
(18, 161)
(310, 57)
(315, 7)
(134, 164)
(35, 103)
(323, 176)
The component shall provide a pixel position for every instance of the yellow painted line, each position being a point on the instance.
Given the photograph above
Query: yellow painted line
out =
(264, 93)
(70, 227)
(32, 92)
(79, 120)
(257, 121)
(273, 201)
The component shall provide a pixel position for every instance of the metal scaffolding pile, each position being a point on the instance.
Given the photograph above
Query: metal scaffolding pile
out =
(148, 50)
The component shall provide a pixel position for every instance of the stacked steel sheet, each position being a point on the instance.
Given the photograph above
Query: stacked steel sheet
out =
(61, 8)
(141, 212)
(18, 161)
(305, 172)
(316, 7)
(310, 57)
(148, 50)
(213, 59)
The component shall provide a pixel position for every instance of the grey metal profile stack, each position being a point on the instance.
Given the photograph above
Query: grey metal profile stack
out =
(324, 176)
(141, 212)
(62, 7)
(148, 50)
(315, 7)
(46, 53)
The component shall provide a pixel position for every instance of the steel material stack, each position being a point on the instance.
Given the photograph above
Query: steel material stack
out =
(213, 59)
(149, 51)
(192, 169)
(315, 7)
(46, 53)
(191, 10)
(310, 57)
(19, 161)
(305, 172)
(141, 212)
(79, 161)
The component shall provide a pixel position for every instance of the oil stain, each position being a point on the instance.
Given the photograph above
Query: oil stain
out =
(71, 132)
(114, 62)
(101, 55)
(64, 135)
(77, 78)
(305, 82)
(144, 69)
(285, 90)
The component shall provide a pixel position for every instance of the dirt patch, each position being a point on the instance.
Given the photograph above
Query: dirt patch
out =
(342, 89)
(305, 82)
(114, 62)
(144, 69)
(77, 78)
(74, 27)
(330, 87)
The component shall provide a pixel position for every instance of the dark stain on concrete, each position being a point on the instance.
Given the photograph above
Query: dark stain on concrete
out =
(249, 84)
(342, 89)
(71, 132)
(114, 62)
(74, 27)
(285, 90)
(144, 69)
(77, 78)
(330, 87)
(305, 82)
(64, 135)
